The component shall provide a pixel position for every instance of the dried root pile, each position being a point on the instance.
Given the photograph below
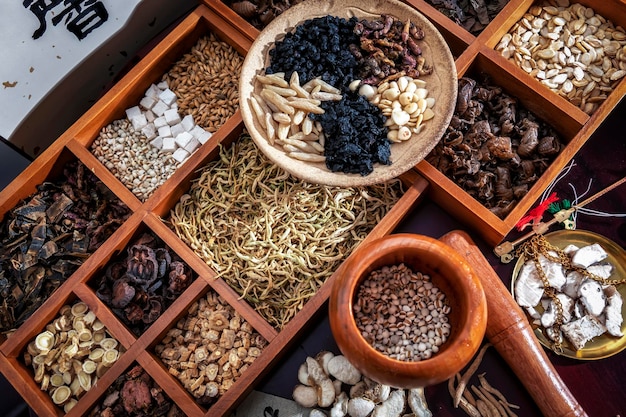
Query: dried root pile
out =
(210, 348)
(481, 400)
(273, 238)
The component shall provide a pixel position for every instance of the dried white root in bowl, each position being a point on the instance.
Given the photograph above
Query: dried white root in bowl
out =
(331, 386)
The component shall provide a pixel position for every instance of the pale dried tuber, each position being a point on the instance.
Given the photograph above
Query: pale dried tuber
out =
(417, 403)
(392, 406)
(360, 407)
(343, 370)
(305, 395)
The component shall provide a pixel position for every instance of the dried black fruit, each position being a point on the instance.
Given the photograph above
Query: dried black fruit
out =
(356, 136)
(317, 48)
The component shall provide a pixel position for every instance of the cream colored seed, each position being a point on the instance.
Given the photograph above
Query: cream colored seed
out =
(403, 102)
(570, 46)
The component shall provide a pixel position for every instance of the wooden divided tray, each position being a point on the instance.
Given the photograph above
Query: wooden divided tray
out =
(474, 55)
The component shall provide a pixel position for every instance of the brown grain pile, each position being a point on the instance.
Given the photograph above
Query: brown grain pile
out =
(206, 81)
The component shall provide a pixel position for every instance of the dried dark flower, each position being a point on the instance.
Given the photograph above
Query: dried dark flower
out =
(134, 393)
(140, 286)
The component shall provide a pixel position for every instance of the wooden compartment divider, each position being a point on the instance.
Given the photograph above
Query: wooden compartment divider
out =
(474, 54)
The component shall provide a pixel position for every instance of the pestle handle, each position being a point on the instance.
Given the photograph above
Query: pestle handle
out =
(511, 335)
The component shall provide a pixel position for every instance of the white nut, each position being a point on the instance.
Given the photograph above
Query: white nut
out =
(400, 117)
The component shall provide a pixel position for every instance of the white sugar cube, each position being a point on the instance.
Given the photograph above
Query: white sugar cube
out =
(157, 142)
(153, 91)
(139, 122)
(192, 145)
(204, 137)
(183, 139)
(148, 102)
(162, 85)
(160, 122)
(177, 129)
(133, 112)
(180, 154)
(149, 131)
(172, 117)
(169, 145)
(188, 123)
(165, 131)
(197, 132)
(168, 96)
(160, 108)
(149, 116)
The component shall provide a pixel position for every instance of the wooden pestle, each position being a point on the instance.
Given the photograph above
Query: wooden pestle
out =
(511, 335)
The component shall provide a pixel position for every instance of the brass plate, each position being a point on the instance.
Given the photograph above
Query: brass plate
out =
(442, 84)
(604, 345)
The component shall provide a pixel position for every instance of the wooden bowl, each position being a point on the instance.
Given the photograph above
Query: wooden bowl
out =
(441, 84)
(449, 272)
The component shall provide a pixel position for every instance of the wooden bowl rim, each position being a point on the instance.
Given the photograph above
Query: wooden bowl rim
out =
(461, 345)
(442, 85)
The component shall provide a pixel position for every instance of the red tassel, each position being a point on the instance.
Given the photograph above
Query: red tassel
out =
(536, 214)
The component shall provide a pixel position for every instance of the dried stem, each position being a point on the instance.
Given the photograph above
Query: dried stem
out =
(468, 374)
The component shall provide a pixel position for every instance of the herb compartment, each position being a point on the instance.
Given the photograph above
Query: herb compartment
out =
(473, 56)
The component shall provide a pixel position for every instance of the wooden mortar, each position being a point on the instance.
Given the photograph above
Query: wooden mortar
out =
(511, 335)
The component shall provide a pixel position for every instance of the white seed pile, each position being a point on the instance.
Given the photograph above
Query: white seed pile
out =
(144, 149)
(127, 153)
(574, 51)
(402, 314)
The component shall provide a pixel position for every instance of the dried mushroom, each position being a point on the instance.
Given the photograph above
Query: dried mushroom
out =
(49, 235)
(331, 385)
(210, 348)
(134, 393)
(71, 354)
(494, 148)
(140, 286)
